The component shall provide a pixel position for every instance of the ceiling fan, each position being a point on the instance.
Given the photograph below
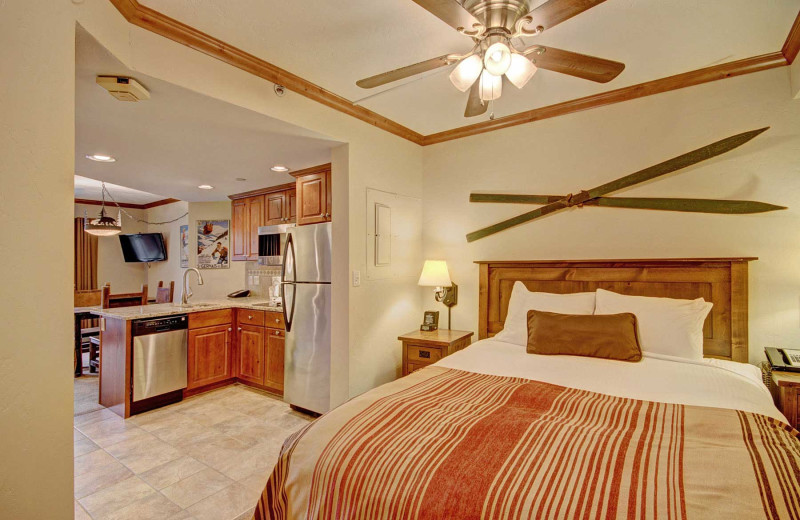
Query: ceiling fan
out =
(492, 25)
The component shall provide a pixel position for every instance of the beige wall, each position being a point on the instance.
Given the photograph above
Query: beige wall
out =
(170, 270)
(36, 185)
(582, 150)
(111, 266)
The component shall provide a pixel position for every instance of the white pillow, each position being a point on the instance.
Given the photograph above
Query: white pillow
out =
(522, 300)
(666, 325)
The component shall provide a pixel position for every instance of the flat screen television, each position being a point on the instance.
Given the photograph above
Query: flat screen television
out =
(143, 247)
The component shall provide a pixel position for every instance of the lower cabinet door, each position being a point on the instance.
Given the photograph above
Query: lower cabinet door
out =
(252, 350)
(275, 345)
(209, 352)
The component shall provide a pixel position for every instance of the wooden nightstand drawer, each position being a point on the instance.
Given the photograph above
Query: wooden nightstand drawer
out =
(787, 395)
(426, 355)
(421, 349)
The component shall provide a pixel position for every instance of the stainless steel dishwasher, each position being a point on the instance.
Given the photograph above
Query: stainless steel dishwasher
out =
(159, 359)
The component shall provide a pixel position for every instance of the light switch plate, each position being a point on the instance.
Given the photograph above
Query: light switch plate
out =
(356, 278)
(255, 280)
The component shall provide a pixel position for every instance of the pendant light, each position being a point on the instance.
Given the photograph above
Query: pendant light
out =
(103, 226)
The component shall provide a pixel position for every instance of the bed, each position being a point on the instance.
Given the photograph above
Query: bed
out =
(494, 432)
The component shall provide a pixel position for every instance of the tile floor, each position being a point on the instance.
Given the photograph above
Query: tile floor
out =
(207, 457)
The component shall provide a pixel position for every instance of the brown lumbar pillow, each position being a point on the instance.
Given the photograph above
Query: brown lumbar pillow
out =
(610, 336)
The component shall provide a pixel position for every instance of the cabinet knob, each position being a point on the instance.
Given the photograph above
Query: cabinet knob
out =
(277, 320)
(249, 316)
(239, 329)
(230, 329)
(277, 333)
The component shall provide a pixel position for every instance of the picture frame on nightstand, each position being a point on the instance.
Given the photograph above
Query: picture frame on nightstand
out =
(430, 321)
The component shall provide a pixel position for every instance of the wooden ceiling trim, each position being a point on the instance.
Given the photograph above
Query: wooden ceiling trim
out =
(179, 32)
(687, 79)
(791, 46)
(158, 23)
(127, 205)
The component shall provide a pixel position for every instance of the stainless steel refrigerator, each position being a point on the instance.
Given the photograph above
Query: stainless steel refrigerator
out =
(306, 295)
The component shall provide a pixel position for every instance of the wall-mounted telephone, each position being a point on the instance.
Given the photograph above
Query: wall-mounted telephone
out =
(783, 358)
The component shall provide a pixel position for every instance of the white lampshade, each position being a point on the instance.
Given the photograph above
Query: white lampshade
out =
(466, 72)
(497, 58)
(435, 274)
(520, 71)
(490, 87)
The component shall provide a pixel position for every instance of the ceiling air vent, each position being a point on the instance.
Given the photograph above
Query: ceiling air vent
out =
(124, 89)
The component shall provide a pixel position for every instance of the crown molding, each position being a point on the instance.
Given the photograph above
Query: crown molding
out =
(158, 23)
(687, 79)
(321, 168)
(263, 191)
(127, 205)
(792, 44)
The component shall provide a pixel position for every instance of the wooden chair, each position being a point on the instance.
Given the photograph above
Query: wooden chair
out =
(89, 298)
(110, 301)
(165, 294)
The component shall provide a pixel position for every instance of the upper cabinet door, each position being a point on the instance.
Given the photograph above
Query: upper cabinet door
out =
(276, 212)
(291, 205)
(312, 198)
(255, 212)
(240, 231)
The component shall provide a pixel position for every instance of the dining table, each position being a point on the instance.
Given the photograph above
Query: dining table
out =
(81, 313)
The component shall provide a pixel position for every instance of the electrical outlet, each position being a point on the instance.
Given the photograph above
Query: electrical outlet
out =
(249, 280)
(255, 280)
(356, 278)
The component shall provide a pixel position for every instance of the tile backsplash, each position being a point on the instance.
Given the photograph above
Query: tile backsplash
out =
(261, 278)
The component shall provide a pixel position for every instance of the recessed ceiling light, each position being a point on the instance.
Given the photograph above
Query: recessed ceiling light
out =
(206, 187)
(100, 158)
(279, 168)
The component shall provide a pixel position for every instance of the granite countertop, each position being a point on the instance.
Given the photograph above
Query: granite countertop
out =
(168, 309)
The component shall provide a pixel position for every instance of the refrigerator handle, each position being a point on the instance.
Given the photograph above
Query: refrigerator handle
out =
(288, 316)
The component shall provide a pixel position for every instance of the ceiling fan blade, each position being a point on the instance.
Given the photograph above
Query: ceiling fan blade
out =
(578, 65)
(669, 166)
(554, 12)
(728, 207)
(450, 12)
(403, 72)
(474, 105)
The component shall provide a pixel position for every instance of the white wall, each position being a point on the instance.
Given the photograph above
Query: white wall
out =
(36, 206)
(218, 282)
(582, 150)
(111, 266)
(170, 270)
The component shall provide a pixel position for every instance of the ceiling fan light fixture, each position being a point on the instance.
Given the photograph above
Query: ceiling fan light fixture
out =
(497, 58)
(490, 87)
(521, 70)
(466, 73)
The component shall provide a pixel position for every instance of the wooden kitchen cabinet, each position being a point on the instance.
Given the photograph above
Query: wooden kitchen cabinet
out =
(276, 342)
(252, 353)
(209, 356)
(240, 231)
(276, 208)
(313, 195)
(251, 210)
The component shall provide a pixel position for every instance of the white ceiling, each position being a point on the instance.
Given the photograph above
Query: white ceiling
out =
(179, 139)
(335, 43)
(91, 189)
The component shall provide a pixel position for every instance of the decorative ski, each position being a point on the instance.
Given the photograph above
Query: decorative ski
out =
(595, 196)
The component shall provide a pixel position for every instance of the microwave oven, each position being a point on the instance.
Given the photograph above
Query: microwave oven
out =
(271, 243)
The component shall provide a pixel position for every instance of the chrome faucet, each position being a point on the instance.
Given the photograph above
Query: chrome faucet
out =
(186, 293)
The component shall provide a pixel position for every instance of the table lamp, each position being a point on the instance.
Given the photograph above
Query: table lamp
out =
(435, 274)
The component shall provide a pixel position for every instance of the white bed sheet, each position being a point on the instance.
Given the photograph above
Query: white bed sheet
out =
(710, 382)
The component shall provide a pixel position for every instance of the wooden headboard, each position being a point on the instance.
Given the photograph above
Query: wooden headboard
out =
(722, 281)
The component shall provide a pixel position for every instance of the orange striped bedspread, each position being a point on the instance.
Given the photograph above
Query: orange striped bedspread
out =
(444, 443)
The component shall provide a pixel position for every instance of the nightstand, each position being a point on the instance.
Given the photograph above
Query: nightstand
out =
(421, 348)
(786, 387)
